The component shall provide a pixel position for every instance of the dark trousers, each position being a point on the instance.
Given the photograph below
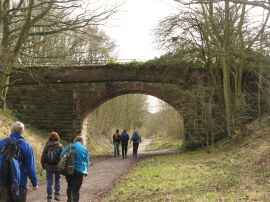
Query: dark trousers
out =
(124, 150)
(135, 148)
(74, 183)
(5, 194)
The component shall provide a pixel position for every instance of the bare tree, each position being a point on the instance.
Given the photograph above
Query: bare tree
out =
(225, 32)
(90, 46)
(265, 4)
(22, 19)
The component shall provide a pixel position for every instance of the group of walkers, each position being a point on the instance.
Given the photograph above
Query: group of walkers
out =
(17, 162)
(13, 186)
(123, 140)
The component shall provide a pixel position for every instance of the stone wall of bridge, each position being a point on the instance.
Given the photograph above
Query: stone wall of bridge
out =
(59, 99)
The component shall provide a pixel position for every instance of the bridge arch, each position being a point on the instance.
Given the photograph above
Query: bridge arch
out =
(89, 104)
(131, 112)
(60, 98)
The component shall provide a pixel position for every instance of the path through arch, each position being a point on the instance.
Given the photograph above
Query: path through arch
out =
(103, 175)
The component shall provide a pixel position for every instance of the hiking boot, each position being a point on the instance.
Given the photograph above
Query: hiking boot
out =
(126, 156)
(57, 198)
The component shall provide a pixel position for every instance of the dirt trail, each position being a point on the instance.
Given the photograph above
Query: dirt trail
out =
(102, 175)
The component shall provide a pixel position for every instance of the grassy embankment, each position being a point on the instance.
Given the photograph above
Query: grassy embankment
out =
(99, 145)
(237, 170)
(36, 137)
(164, 143)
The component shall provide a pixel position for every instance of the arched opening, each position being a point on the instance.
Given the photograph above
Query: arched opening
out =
(152, 117)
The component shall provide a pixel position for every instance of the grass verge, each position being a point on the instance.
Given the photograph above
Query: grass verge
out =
(164, 143)
(235, 171)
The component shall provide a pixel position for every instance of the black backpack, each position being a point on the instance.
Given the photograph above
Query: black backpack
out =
(53, 154)
(9, 151)
(124, 137)
(10, 165)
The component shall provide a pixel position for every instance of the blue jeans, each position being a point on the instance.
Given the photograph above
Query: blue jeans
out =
(49, 177)
(116, 148)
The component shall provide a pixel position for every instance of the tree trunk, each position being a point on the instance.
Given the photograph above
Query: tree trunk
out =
(226, 71)
(6, 66)
(227, 95)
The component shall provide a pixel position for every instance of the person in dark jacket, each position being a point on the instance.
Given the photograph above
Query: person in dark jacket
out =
(124, 138)
(136, 138)
(27, 166)
(51, 167)
(82, 164)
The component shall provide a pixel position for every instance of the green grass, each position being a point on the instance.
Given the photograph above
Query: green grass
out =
(238, 170)
(195, 176)
(164, 143)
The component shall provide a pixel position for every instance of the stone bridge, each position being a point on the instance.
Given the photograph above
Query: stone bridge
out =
(59, 99)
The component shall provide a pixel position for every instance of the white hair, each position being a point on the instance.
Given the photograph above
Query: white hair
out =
(78, 139)
(17, 127)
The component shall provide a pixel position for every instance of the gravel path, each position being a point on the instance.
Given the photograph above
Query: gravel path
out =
(103, 174)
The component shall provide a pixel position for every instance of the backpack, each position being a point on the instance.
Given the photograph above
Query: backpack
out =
(116, 137)
(135, 138)
(124, 137)
(10, 165)
(53, 154)
(66, 164)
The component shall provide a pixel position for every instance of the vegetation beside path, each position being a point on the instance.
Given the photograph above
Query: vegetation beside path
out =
(160, 143)
(237, 170)
(36, 137)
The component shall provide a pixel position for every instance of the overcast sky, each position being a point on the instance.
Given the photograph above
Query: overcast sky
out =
(132, 27)
(132, 30)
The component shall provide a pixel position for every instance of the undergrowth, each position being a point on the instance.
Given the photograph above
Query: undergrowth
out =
(99, 146)
(36, 137)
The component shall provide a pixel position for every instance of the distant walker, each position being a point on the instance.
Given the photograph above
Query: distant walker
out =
(136, 138)
(116, 142)
(124, 138)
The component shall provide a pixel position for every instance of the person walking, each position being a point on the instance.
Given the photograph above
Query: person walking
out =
(27, 165)
(124, 138)
(82, 164)
(49, 159)
(116, 142)
(136, 138)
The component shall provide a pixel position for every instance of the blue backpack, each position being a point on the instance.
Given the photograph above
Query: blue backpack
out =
(135, 137)
(10, 166)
